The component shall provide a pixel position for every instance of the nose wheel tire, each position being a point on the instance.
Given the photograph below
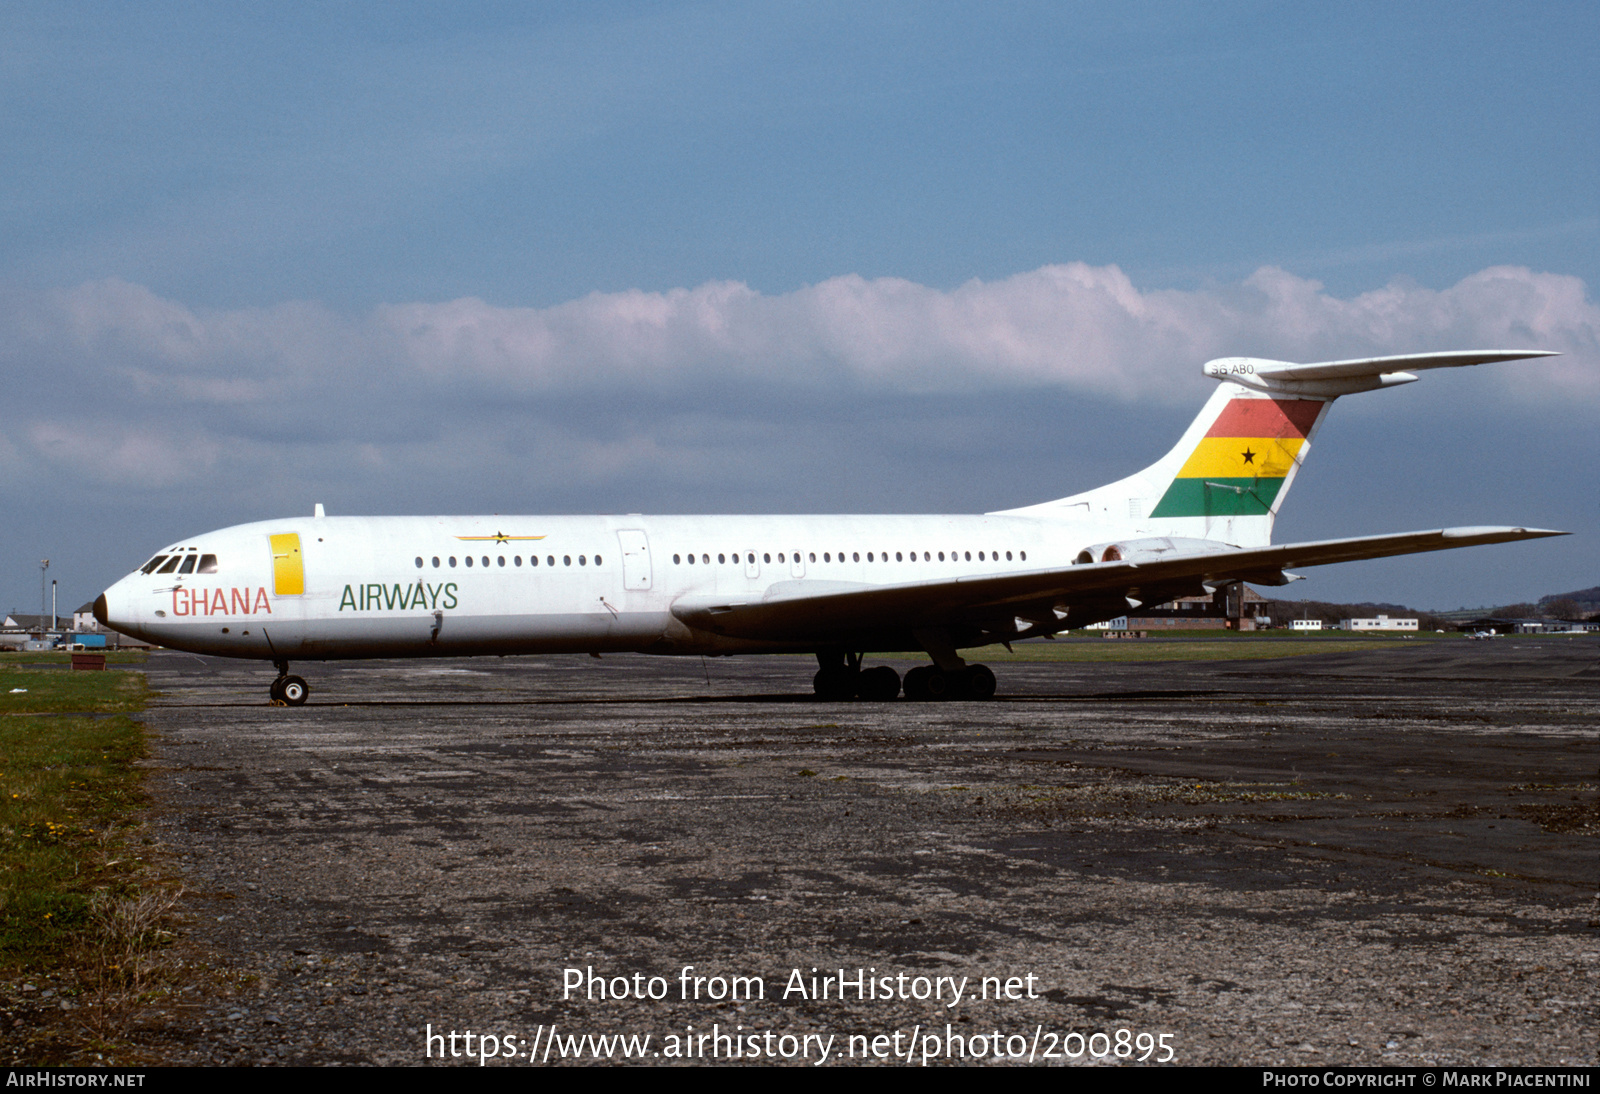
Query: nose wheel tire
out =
(289, 691)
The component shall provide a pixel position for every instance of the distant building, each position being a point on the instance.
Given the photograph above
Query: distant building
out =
(1381, 623)
(1120, 623)
(1305, 624)
(1231, 607)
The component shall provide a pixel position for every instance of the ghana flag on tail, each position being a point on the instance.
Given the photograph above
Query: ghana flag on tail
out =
(1242, 462)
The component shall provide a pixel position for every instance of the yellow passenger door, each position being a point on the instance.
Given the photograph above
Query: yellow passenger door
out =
(288, 568)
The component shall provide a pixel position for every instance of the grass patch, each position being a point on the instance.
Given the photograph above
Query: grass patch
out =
(66, 785)
(80, 909)
(34, 690)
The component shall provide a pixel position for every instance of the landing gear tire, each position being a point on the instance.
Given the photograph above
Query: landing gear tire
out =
(289, 691)
(930, 682)
(835, 683)
(916, 683)
(294, 691)
(980, 682)
(879, 685)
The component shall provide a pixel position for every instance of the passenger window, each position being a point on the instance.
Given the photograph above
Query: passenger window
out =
(516, 560)
(469, 562)
(486, 560)
(208, 564)
(566, 560)
(857, 556)
(720, 557)
(533, 560)
(549, 560)
(502, 560)
(453, 561)
(813, 556)
(705, 559)
(1024, 556)
(676, 561)
(597, 560)
(897, 557)
(582, 561)
(766, 556)
(435, 562)
(419, 562)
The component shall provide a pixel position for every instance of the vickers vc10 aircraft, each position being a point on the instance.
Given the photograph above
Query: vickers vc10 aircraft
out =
(325, 588)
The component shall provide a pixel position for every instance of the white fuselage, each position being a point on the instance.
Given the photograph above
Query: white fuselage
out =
(443, 586)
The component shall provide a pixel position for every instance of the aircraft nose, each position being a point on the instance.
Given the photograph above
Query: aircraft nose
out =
(113, 610)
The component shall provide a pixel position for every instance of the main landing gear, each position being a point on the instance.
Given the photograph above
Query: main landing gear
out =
(286, 690)
(927, 682)
(841, 677)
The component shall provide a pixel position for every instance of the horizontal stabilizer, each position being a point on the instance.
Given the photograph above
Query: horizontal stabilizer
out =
(1333, 378)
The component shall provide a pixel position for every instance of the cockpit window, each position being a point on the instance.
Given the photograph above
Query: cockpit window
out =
(150, 567)
(188, 564)
(172, 564)
(208, 564)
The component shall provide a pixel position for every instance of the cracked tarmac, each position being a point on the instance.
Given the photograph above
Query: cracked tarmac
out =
(1369, 857)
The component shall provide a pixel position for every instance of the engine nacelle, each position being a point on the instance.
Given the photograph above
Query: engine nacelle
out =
(1151, 549)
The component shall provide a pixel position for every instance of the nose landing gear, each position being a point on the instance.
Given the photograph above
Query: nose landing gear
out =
(286, 690)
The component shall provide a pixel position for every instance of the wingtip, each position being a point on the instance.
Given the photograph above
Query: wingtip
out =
(1484, 531)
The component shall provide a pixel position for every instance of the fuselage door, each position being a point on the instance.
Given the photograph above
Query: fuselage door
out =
(288, 567)
(635, 558)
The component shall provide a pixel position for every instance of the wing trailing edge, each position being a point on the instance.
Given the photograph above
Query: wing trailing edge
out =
(796, 611)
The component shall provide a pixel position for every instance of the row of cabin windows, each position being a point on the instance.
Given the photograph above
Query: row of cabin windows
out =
(185, 562)
(855, 556)
(516, 560)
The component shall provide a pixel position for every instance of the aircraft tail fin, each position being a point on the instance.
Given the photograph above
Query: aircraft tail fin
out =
(1227, 477)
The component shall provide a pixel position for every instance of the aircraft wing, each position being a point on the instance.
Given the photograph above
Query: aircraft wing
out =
(1014, 605)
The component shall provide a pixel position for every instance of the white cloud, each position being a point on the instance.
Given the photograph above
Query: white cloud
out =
(1072, 326)
(169, 388)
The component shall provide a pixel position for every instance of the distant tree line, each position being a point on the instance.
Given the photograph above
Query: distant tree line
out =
(1574, 607)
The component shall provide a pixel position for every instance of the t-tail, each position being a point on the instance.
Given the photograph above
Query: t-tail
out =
(1227, 478)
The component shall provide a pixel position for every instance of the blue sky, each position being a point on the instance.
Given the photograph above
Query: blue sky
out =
(744, 257)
